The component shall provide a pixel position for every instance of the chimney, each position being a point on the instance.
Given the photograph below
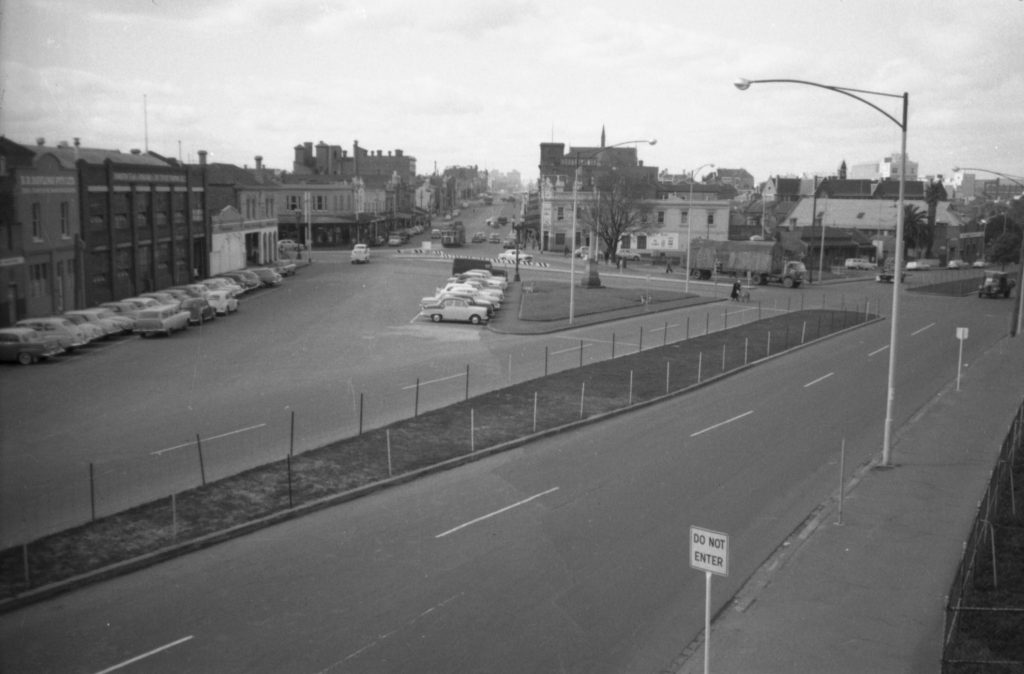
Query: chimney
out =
(259, 162)
(136, 151)
(202, 157)
(40, 141)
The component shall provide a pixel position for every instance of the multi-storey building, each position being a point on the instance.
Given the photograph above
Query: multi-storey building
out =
(40, 235)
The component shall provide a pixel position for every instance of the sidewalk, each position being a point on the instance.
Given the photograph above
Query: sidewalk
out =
(867, 595)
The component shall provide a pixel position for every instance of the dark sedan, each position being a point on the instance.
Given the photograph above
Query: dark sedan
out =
(199, 310)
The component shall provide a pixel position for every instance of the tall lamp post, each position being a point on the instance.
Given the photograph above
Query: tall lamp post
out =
(689, 221)
(575, 197)
(743, 85)
(1018, 308)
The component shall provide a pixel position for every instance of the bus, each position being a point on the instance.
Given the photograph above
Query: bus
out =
(453, 234)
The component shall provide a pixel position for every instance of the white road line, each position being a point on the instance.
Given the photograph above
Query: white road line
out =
(877, 351)
(571, 349)
(145, 655)
(212, 437)
(721, 423)
(435, 381)
(812, 383)
(918, 332)
(496, 512)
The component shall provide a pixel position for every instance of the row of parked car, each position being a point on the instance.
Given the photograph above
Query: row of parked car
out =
(472, 296)
(153, 313)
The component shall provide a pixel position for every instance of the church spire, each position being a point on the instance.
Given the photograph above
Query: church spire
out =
(602, 135)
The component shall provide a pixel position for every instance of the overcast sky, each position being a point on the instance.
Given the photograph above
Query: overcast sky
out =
(484, 82)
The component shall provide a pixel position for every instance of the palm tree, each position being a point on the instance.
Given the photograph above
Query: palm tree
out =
(933, 194)
(915, 225)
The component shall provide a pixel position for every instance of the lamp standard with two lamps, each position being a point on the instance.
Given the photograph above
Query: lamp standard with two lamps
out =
(689, 221)
(1018, 308)
(743, 85)
(575, 197)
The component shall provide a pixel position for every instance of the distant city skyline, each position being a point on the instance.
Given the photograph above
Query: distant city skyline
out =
(484, 83)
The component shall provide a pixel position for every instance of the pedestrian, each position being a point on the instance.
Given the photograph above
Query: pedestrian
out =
(736, 287)
(668, 267)
(566, 252)
(618, 263)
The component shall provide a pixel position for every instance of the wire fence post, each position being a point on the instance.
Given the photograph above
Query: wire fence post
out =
(291, 435)
(700, 363)
(92, 490)
(769, 343)
(416, 400)
(664, 339)
(723, 358)
(668, 374)
(545, 361)
(360, 414)
(581, 353)
(707, 323)
(288, 462)
(472, 430)
(583, 390)
(202, 467)
(746, 346)
(467, 381)
(534, 411)
(613, 346)
(842, 473)
(387, 438)
(641, 346)
(803, 332)
(687, 327)
(629, 400)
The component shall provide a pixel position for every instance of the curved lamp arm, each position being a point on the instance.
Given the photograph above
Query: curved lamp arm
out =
(743, 84)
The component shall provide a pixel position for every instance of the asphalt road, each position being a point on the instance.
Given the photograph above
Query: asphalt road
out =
(566, 555)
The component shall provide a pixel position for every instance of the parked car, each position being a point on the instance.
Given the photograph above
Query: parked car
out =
(199, 310)
(479, 237)
(509, 257)
(360, 254)
(165, 320)
(27, 346)
(223, 302)
(226, 284)
(918, 265)
(630, 255)
(247, 280)
(267, 276)
(979, 264)
(455, 309)
(111, 323)
(996, 284)
(494, 238)
(957, 264)
(163, 297)
(123, 308)
(92, 331)
(283, 267)
(395, 240)
(435, 233)
(191, 289)
(859, 263)
(68, 334)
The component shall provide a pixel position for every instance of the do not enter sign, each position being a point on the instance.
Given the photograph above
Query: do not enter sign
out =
(709, 551)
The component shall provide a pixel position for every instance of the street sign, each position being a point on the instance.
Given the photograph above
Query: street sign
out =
(709, 551)
(961, 333)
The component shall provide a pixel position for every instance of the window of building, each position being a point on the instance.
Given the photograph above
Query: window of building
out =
(37, 222)
(661, 217)
(711, 218)
(320, 202)
(120, 221)
(561, 213)
(559, 239)
(38, 276)
(65, 219)
(293, 202)
(641, 242)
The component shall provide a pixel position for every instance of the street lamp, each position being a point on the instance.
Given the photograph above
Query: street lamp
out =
(743, 85)
(575, 197)
(1018, 308)
(689, 221)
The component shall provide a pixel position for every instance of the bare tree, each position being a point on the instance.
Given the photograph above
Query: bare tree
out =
(621, 205)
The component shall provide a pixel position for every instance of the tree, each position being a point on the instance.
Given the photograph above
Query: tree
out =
(1005, 248)
(933, 194)
(620, 206)
(915, 224)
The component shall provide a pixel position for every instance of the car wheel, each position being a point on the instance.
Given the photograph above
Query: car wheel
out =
(435, 317)
(788, 282)
(26, 358)
(475, 319)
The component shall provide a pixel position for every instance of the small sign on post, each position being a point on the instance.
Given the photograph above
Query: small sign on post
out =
(709, 552)
(961, 334)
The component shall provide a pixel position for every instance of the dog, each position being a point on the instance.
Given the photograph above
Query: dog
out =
(744, 295)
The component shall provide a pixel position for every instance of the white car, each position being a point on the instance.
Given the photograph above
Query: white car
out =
(509, 257)
(493, 294)
(223, 302)
(859, 263)
(360, 254)
(957, 264)
(918, 265)
(455, 309)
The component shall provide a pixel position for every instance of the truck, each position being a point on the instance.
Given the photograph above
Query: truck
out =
(765, 261)
(453, 234)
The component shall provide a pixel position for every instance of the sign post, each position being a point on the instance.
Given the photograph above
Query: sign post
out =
(709, 552)
(961, 334)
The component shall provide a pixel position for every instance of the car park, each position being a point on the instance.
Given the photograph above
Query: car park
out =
(165, 320)
(996, 284)
(509, 257)
(26, 346)
(360, 254)
(223, 302)
(68, 334)
(455, 309)
(859, 263)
